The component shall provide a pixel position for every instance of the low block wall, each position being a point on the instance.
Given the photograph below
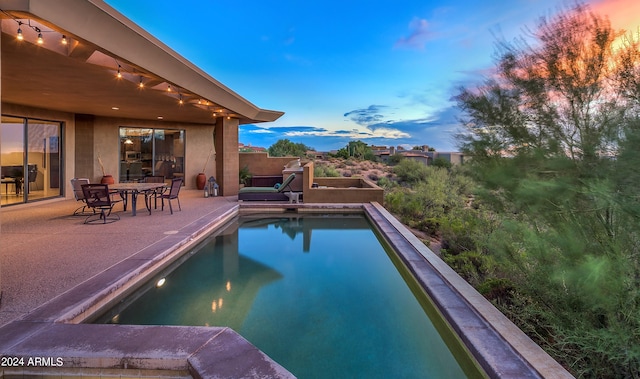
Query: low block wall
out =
(261, 164)
(339, 190)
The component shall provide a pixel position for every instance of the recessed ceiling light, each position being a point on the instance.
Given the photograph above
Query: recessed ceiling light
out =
(160, 117)
(115, 108)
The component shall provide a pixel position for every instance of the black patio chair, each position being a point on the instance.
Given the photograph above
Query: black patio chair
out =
(77, 183)
(172, 194)
(98, 197)
(156, 193)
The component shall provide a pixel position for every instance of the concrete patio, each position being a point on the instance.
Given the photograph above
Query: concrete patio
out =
(46, 251)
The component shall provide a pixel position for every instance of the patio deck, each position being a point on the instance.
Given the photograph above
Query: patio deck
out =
(45, 251)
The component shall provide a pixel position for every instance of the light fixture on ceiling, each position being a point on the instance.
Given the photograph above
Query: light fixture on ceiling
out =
(40, 39)
(169, 88)
(20, 37)
(180, 101)
(119, 74)
(64, 40)
(128, 141)
(141, 84)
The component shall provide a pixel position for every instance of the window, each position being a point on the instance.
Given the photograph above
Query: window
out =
(145, 152)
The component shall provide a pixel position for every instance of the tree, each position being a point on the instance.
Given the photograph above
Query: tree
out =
(358, 150)
(556, 98)
(286, 148)
(549, 137)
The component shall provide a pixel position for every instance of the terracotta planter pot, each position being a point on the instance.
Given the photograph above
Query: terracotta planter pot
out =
(201, 180)
(107, 179)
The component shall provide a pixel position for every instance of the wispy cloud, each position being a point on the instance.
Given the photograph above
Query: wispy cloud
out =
(252, 129)
(366, 116)
(419, 34)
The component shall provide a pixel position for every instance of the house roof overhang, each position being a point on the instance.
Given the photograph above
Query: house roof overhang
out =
(81, 76)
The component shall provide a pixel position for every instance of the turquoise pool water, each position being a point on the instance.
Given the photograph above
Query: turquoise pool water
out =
(318, 294)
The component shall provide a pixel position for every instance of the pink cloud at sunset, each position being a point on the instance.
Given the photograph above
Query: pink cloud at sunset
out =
(623, 14)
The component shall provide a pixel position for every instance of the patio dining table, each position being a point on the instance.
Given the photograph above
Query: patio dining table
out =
(134, 189)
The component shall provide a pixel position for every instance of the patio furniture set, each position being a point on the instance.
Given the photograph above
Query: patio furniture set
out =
(99, 199)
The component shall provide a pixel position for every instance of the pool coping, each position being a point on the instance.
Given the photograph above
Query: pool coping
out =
(501, 348)
(51, 330)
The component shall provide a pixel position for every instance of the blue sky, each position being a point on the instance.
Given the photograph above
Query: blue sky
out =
(379, 71)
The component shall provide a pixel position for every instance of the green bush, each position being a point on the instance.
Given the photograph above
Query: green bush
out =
(395, 159)
(411, 172)
(434, 195)
(325, 171)
(471, 265)
(441, 162)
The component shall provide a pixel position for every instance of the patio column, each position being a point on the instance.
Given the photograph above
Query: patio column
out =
(227, 156)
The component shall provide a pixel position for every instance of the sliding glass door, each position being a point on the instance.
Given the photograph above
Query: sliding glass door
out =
(30, 159)
(151, 152)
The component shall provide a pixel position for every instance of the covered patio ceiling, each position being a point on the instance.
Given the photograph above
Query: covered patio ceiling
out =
(81, 76)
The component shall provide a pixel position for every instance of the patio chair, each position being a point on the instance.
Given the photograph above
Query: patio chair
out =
(176, 183)
(156, 194)
(77, 183)
(268, 193)
(98, 197)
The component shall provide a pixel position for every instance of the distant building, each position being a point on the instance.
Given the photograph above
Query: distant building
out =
(250, 149)
(417, 156)
(422, 155)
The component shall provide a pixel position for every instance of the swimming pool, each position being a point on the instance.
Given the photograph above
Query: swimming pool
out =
(319, 294)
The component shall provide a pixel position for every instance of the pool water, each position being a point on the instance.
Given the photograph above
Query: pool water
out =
(318, 294)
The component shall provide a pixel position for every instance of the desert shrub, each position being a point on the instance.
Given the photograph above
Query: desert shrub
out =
(325, 171)
(441, 162)
(411, 171)
(432, 200)
(395, 159)
(386, 183)
(471, 265)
